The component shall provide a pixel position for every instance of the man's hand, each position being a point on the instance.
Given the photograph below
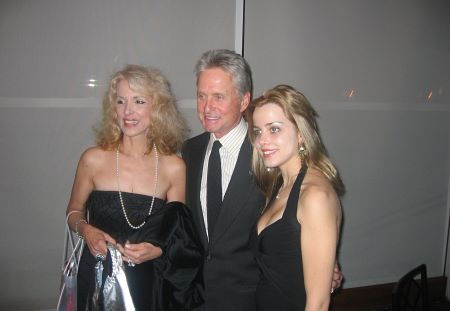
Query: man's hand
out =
(337, 278)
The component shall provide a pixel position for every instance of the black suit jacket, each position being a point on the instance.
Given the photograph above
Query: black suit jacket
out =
(230, 270)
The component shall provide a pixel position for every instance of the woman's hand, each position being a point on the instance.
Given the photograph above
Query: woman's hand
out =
(96, 239)
(139, 253)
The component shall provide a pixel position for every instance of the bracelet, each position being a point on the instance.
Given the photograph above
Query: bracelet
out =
(79, 221)
(70, 213)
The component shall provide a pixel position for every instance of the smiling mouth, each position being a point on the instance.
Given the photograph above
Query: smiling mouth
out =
(268, 153)
(211, 118)
(130, 122)
(211, 115)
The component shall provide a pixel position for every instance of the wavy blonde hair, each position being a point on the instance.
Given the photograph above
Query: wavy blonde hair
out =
(300, 112)
(167, 127)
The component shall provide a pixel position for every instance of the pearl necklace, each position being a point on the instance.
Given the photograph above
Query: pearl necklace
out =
(120, 193)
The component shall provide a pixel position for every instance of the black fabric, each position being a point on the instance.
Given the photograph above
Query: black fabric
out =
(171, 282)
(230, 272)
(277, 251)
(214, 186)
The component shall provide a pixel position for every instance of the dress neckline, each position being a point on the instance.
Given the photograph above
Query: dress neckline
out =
(127, 193)
(268, 226)
(297, 183)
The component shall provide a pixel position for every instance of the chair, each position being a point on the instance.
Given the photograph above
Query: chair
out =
(411, 293)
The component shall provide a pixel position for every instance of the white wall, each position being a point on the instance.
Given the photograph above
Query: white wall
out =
(49, 51)
(447, 263)
(390, 141)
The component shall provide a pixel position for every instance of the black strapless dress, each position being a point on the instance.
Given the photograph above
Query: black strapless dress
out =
(171, 282)
(278, 254)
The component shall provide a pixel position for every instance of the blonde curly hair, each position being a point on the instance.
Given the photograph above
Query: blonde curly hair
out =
(167, 127)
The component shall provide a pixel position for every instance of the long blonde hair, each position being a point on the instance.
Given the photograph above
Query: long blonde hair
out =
(300, 112)
(167, 127)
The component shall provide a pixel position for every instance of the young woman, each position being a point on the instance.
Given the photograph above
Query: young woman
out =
(125, 183)
(296, 237)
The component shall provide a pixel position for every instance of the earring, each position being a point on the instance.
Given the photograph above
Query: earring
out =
(302, 151)
(302, 154)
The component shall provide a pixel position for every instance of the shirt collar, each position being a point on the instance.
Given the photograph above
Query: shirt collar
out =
(232, 141)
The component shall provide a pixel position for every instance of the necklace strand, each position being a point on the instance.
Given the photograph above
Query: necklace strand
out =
(279, 192)
(154, 190)
(282, 188)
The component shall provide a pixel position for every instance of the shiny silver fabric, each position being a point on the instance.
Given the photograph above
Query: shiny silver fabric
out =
(116, 294)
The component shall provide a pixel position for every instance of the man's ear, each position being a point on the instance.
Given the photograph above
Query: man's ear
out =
(245, 101)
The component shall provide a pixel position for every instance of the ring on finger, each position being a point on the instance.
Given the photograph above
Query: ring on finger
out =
(130, 262)
(100, 256)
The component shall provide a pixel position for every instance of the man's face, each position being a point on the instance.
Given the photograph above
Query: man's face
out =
(219, 107)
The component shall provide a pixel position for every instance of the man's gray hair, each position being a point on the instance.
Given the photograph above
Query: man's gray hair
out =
(230, 62)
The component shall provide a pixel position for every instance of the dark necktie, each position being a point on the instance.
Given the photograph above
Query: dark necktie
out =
(214, 186)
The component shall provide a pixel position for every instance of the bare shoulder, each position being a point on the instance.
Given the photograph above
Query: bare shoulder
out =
(318, 195)
(93, 158)
(172, 164)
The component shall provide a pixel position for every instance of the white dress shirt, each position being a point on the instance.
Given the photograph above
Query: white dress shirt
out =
(231, 145)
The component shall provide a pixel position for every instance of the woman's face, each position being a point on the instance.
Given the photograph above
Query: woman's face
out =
(276, 138)
(133, 110)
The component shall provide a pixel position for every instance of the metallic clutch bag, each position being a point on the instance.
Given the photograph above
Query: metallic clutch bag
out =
(114, 293)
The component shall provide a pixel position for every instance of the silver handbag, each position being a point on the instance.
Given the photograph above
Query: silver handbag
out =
(116, 294)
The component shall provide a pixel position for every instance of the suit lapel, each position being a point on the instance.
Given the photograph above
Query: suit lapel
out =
(197, 157)
(237, 192)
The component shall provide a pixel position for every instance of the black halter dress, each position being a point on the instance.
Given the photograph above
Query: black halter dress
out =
(277, 251)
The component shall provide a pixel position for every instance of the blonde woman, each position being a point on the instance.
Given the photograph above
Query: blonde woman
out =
(296, 236)
(133, 185)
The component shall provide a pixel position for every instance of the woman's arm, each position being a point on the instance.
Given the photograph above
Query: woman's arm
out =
(76, 210)
(177, 175)
(319, 215)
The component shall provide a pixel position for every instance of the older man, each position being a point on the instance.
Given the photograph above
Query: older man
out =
(220, 190)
